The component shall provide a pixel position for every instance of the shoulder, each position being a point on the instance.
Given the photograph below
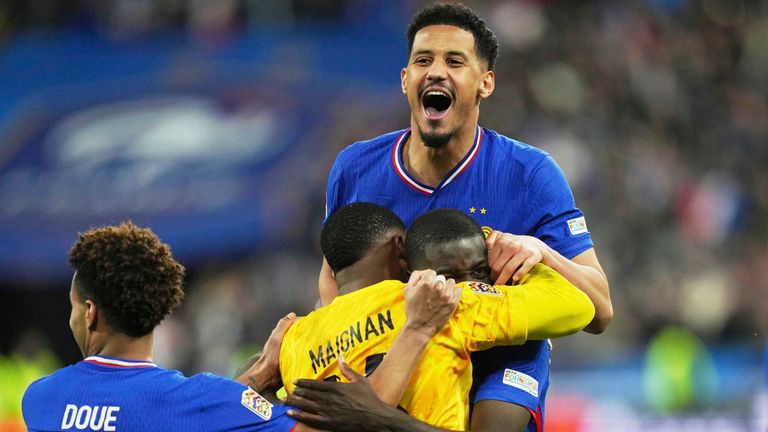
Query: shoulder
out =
(230, 405)
(536, 165)
(518, 151)
(38, 393)
(60, 377)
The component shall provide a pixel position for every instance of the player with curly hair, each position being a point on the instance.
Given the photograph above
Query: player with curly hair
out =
(125, 282)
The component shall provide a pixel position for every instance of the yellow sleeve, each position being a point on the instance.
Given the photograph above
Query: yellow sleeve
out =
(544, 305)
(555, 306)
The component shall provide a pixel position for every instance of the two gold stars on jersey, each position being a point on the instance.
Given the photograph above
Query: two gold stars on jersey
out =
(474, 210)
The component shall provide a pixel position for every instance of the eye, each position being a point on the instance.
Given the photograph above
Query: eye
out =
(422, 61)
(454, 62)
(481, 273)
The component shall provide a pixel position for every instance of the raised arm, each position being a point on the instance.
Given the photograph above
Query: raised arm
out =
(429, 304)
(261, 371)
(512, 256)
(553, 305)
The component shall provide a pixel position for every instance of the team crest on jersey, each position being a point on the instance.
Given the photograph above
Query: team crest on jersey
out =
(487, 231)
(256, 403)
(483, 288)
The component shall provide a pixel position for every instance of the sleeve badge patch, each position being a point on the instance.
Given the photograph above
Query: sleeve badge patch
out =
(256, 403)
(577, 226)
(521, 381)
(483, 288)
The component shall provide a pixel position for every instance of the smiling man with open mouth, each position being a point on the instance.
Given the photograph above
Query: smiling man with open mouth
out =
(516, 192)
(444, 81)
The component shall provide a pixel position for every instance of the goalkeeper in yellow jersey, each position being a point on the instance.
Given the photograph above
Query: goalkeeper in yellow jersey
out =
(364, 245)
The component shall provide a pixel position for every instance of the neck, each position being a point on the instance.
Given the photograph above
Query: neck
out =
(121, 346)
(360, 275)
(430, 165)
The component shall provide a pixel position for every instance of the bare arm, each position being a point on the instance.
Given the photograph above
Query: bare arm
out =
(585, 272)
(512, 256)
(327, 284)
(261, 372)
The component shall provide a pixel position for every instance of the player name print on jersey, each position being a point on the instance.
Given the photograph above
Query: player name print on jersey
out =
(97, 418)
(356, 333)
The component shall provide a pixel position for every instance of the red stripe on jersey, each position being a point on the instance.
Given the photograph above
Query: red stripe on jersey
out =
(118, 363)
(537, 418)
(401, 171)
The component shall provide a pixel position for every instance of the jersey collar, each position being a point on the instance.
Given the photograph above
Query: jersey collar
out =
(118, 363)
(397, 163)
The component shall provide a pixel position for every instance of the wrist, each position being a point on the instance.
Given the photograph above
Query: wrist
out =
(261, 377)
(419, 333)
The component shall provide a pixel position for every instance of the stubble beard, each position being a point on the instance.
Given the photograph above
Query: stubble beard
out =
(435, 140)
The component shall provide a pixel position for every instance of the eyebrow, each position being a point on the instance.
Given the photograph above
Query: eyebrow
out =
(449, 53)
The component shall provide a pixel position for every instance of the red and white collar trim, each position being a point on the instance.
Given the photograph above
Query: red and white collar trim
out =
(106, 361)
(397, 163)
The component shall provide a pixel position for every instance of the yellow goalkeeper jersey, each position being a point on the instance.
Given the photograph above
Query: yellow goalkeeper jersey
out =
(362, 325)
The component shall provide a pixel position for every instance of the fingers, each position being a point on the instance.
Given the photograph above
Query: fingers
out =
(302, 403)
(347, 371)
(282, 326)
(313, 385)
(510, 267)
(511, 256)
(312, 420)
(421, 275)
(455, 294)
(503, 250)
(491, 239)
(525, 268)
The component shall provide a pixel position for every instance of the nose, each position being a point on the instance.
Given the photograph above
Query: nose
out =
(437, 71)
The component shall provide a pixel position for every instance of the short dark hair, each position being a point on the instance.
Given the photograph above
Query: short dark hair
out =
(353, 230)
(437, 227)
(129, 274)
(458, 15)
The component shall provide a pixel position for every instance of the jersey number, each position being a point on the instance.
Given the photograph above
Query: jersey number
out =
(371, 363)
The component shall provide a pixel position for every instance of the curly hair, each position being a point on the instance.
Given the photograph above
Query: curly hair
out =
(458, 15)
(129, 274)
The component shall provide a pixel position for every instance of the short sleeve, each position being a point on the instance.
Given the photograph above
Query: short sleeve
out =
(335, 187)
(227, 405)
(552, 214)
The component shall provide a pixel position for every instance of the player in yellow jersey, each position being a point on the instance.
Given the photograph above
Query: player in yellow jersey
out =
(363, 243)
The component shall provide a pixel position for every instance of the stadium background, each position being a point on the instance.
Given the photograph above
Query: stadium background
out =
(215, 123)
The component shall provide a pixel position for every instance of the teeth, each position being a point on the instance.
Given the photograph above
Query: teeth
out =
(437, 93)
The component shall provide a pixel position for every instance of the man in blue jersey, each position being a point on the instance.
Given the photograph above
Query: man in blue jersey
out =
(444, 159)
(126, 281)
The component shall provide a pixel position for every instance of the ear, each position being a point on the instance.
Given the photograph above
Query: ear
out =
(487, 85)
(399, 245)
(404, 81)
(91, 315)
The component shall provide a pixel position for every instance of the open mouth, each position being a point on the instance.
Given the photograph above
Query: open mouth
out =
(436, 103)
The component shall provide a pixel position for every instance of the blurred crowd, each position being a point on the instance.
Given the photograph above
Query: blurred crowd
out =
(656, 110)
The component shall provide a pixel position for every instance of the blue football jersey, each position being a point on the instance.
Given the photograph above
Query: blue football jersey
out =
(504, 185)
(108, 394)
